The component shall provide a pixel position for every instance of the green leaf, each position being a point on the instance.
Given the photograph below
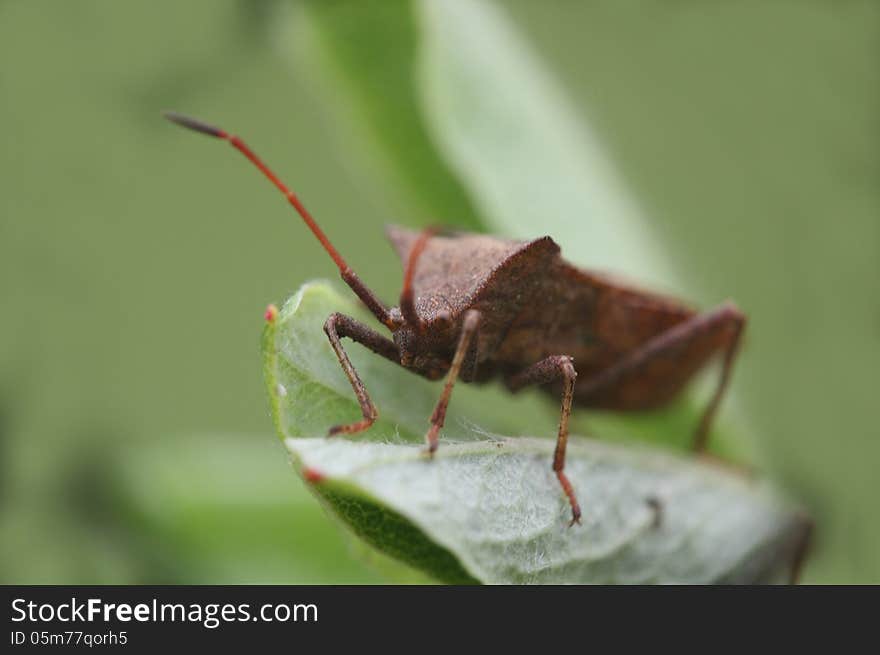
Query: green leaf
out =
(489, 509)
(532, 165)
(361, 57)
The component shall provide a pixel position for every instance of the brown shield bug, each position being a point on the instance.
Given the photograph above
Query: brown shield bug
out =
(476, 307)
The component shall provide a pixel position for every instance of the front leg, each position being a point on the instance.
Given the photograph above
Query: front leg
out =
(340, 325)
(545, 371)
(468, 329)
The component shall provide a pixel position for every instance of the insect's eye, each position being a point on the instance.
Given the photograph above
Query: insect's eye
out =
(396, 318)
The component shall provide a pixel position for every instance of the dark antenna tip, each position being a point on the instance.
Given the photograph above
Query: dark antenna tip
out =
(193, 124)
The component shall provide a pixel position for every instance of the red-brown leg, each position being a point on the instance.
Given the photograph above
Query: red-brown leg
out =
(340, 325)
(651, 375)
(469, 328)
(549, 370)
(801, 550)
(729, 315)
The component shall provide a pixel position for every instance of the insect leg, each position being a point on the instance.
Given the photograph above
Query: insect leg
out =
(801, 549)
(548, 370)
(340, 325)
(648, 376)
(469, 328)
(729, 316)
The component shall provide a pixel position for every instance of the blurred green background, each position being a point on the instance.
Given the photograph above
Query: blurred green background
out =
(136, 260)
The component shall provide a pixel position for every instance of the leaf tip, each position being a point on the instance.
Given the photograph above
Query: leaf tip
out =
(271, 313)
(312, 475)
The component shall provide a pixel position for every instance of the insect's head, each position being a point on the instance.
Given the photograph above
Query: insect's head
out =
(417, 344)
(407, 333)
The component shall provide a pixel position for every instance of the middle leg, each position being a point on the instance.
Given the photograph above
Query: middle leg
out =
(468, 329)
(548, 370)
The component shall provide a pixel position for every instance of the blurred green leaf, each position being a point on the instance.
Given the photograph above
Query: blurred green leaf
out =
(225, 508)
(364, 54)
(489, 509)
(531, 164)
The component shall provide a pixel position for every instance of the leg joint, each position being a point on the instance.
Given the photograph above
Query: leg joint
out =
(731, 312)
(471, 320)
(567, 366)
(330, 323)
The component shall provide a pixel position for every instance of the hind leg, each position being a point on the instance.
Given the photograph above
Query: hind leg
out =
(651, 375)
(468, 330)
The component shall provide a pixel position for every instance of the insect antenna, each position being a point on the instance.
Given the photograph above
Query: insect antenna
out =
(407, 294)
(376, 306)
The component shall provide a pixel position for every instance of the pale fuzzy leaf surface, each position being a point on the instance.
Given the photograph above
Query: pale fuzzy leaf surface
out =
(489, 509)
